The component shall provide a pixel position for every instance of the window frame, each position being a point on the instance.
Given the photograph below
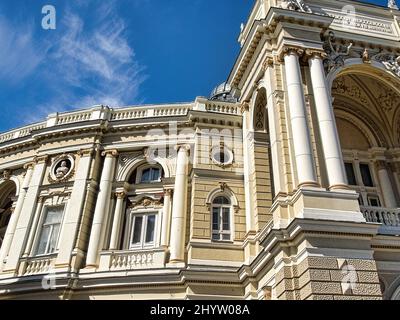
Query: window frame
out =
(131, 216)
(39, 230)
(221, 232)
(140, 171)
(365, 192)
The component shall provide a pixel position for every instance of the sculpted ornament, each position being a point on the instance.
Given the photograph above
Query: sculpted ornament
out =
(62, 168)
(337, 53)
(390, 61)
(296, 5)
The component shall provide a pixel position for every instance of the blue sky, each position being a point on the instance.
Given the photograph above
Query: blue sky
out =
(115, 52)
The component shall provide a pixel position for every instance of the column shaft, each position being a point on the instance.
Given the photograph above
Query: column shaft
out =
(179, 208)
(34, 228)
(327, 126)
(166, 219)
(74, 210)
(386, 185)
(27, 213)
(117, 221)
(275, 141)
(5, 248)
(102, 209)
(298, 118)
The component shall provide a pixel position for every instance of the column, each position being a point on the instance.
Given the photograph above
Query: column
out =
(74, 210)
(179, 207)
(26, 215)
(275, 141)
(247, 137)
(117, 220)
(34, 228)
(166, 218)
(12, 225)
(102, 207)
(327, 124)
(298, 118)
(386, 185)
(396, 173)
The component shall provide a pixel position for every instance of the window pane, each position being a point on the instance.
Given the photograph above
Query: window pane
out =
(215, 219)
(351, 177)
(215, 236)
(53, 238)
(44, 237)
(151, 221)
(146, 175)
(54, 215)
(155, 174)
(226, 237)
(366, 175)
(226, 219)
(221, 200)
(374, 202)
(137, 230)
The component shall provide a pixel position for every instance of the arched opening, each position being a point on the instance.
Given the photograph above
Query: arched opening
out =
(8, 191)
(367, 117)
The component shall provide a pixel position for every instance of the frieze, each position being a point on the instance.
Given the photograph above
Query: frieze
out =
(361, 23)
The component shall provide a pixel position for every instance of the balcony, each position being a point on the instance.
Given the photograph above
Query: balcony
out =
(132, 260)
(389, 218)
(38, 265)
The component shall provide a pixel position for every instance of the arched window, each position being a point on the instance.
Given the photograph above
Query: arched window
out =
(7, 194)
(151, 174)
(221, 219)
(146, 174)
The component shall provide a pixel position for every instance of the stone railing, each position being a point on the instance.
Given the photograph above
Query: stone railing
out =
(219, 107)
(74, 117)
(387, 217)
(132, 260)
(39, 265)
(128, 113)
(21, 132)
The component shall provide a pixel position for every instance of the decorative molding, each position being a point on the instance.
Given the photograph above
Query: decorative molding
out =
(245, 107)
(146, 200)
(217, 149)
(41, 159)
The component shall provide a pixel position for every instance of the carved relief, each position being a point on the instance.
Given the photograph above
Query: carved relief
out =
(336, 53)
(341, 87)
(390, 61)
(62, 168)
(296, 5)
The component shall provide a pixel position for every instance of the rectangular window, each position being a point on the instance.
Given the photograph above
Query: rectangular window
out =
(221, 223)
(351, 177)
(142, 231)
(373, 201)
(366, 175)
(50, 230)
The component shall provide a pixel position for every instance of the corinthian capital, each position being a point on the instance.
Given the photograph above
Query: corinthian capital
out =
(287, 50)
(314, 53)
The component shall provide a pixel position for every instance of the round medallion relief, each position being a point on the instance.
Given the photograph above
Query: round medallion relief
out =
(62, 168)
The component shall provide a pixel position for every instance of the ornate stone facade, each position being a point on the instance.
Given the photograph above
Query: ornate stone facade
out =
(283, 185)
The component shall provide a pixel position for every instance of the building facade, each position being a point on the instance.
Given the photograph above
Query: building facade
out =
(284, 184)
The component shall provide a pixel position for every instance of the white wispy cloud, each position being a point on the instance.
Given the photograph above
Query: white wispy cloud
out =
(90, 62)
(19, 55)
